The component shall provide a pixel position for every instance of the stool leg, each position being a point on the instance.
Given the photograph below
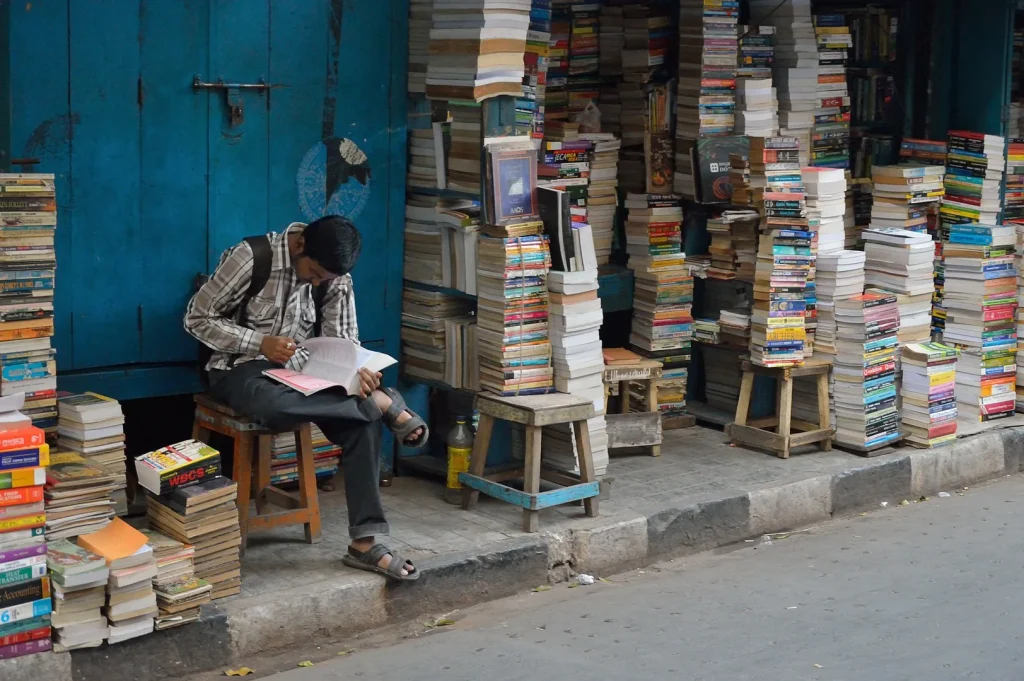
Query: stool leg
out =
(264, 445)
(478, 459)
(824, 419)
(652, 406)
(531, 476)
(199, 432)
(623, 397)
(785, 413)
(746, 391)
(307, 483)
(243, 477)
(585, 458)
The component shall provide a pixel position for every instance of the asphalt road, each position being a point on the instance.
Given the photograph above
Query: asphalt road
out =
(926, 591)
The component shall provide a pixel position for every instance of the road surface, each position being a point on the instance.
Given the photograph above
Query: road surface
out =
(931, 590)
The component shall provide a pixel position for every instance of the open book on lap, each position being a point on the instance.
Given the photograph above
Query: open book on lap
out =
(332, 363)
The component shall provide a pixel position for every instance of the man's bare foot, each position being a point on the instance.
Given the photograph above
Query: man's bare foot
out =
(367, 543)
(384, 403)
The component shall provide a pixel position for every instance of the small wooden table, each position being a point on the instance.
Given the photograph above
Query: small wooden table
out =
(757, 433)
(534, 412)
(640, 429)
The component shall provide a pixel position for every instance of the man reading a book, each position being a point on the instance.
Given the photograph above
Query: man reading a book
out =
(248, 335)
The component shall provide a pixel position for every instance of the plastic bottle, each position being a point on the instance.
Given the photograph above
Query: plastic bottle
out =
(460, 446)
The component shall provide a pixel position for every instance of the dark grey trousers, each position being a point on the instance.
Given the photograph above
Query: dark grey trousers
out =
(352, 423)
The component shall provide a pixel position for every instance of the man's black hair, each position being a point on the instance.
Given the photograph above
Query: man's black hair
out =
(334, 242)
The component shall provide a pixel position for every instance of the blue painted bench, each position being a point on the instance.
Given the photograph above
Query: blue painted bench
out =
(534, 412)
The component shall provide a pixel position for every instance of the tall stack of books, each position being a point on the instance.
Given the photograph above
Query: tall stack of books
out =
(663, 296)
(757, 52)
(778, 325)
(903, 195)
(1014, 195)
(28, 221)
(25, 605)
(179, 593)
(530, 106)
(795, 69)
(465, 154)
(611, 43)
(425, 317)
(733, 245)
(93, 426)
(928, 390)
(461, 34)
(79, 581)
(708, 60)
(602, 191)
(512, 310)
(284, 466)
(830, 141)
(981, 318)
(865, 370)
(205, 517)
(420, 18)
(900, 261)
(1019, 260)
(584, 83)
(756, 108)
(556, 94)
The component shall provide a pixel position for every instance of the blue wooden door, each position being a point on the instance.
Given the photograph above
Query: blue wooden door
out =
(155, 177)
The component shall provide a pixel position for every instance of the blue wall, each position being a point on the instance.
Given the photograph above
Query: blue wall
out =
(153, 179)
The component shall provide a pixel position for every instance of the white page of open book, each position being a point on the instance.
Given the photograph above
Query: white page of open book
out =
(338, 360)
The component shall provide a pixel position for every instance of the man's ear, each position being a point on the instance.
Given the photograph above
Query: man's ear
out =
(300, 243)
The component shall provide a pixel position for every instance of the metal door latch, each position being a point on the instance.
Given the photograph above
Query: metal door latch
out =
(232, 95)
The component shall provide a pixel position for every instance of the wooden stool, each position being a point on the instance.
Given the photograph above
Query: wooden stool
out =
(642, 429)
(253, 450)
(534, 412)
(756, 433)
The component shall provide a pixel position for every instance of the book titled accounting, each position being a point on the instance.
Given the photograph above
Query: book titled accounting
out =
(332, 363)
(178, 465)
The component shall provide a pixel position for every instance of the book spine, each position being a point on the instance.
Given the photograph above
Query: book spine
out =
(23, 522)
(22, 574)
(24, 437)
(9, 539)
(20, 496)
(27, 648)
(18, 594)
(37, 634)
(24, 477)
(30, 457)
(22, 553)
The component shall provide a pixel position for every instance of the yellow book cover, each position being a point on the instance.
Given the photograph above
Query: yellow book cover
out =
(787, 334)
(22, 477)
(23, 522)
(939, 379)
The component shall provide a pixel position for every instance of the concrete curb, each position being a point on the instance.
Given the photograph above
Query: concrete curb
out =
(598, 546)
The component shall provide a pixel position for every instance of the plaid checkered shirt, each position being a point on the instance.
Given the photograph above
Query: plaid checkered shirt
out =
(284, 307)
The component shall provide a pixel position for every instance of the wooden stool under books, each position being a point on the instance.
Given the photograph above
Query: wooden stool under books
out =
(640, 429)
(252, 456)
(534, 412)
(757, 433)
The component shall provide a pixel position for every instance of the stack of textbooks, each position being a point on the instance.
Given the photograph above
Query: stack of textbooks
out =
(284, 467)
(79, 496)
(530, 106)
(757, 53)
(708, 60)
(784, 260)
(654, 232)
(1014, 195)
(795, 69)
(420, 18)
(928, 393)
(602, 191)
(904, 195)
(28, 221)
(93, 426)
(733, 245)
(830, 140)
(900, 261)
(756, 108)
(974, 173)
(512, 310)
(462, 34)
(865, 370)
(79, 581)
(426, 316)
(205, 517)
(179, 593)
(981, 318)
(131, 603)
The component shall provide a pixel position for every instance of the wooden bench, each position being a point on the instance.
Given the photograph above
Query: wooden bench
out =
(640, 429)
(252, 447)
(758, 433)
(534, 412)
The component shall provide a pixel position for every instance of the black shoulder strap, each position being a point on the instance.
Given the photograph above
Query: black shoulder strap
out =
(318, 300)
(261, 263)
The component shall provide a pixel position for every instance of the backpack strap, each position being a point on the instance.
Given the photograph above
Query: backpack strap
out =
(262, 261)
(319, 292)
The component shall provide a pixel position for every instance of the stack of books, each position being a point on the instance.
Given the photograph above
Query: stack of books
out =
(778, 325)
(928, 393)
(722, 376)
(28, 221)
(611, 43)
(420, 18)
(93, 426)
(512, 310)
(131, 604)
(708, 60)
(179, 593)
(756, 108)
(461, 34)
(79, 496)
(795, 69)
(981, 318)
(584, 82)
(922, 152)
(840, 275)
(865, 370)
(653, 232)
(733, 245)
(460, 224)
(706, 331)
(556, 94)
(647, 37)
(423, 258)
(602, 191)
(79, 579)
(904, 195)
(1019, 261)
(830, 141)
(425, 320)
(859, 201)
(205, 517)
(826, 200)
(284, 468)
(1014, 194)
(24, 585)
(900, 261)
(530, 106)
(428, 144)
(465, 155)
(757, 53)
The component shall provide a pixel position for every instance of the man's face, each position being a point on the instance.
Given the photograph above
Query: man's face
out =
(310, 271)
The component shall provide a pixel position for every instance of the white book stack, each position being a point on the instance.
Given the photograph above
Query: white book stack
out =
(602, 192)
(574, 325)
(900, 261)
(79, 578)
(131, 602)
(420, 18)
(757, 108)
(93, 426)
(795, 69)
(826, 197)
